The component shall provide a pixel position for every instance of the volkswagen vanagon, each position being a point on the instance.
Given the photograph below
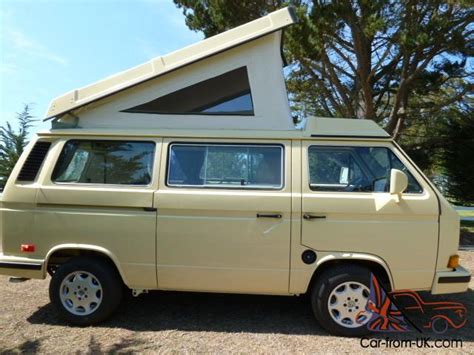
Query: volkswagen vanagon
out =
(187, 173)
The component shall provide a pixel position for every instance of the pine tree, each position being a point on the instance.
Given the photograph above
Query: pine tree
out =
(13, 142)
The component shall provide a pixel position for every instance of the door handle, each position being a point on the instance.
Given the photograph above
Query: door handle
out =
(150, 209)
(309, 217)
(268, 215)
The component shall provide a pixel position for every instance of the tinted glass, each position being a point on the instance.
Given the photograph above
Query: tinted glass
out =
(105, 162)
(236, 166)
(226, 94)
(355, 169)
(241, 104)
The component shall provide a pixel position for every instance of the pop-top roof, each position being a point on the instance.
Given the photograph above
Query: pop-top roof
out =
(160, 65)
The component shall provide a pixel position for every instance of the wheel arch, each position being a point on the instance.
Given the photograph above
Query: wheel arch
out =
(374, 263)
(61, 253)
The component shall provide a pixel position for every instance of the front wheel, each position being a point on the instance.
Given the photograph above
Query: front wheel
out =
(439, 325)
(339, 298)
(85, 291)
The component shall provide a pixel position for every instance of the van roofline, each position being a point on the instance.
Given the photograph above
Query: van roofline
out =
(208, 133)
(315, 128)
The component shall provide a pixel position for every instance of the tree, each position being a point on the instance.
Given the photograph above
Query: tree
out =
(13, 142)
(396, 62)
(457, 157)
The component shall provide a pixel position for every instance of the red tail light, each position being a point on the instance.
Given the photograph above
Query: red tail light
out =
(28, 248)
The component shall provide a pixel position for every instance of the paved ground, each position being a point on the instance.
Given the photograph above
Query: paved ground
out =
(186, 322)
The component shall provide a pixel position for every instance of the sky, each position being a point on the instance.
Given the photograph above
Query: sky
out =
(50, 47)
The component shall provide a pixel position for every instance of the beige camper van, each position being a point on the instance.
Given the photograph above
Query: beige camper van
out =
(187, 173)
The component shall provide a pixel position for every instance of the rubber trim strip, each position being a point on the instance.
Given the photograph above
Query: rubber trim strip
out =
(22, 266)
(454, 279)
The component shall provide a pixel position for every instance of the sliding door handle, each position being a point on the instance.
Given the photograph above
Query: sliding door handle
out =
(150, 209)
(309, 216)
(269, 215)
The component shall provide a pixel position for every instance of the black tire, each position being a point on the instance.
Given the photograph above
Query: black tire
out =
(328, 281)
(110, 293)
(51, 269)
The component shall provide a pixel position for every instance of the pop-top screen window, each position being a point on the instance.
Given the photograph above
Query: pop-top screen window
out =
(226, 94)
(105, 162)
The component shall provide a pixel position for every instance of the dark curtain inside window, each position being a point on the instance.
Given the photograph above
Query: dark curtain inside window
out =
(191, 160)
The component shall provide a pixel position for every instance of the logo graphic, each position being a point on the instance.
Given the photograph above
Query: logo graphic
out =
(386, 317)
(390, 311)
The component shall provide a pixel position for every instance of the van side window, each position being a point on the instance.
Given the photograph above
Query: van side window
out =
(105, 162)
(355, 169)
(225, 166)
(225, 94)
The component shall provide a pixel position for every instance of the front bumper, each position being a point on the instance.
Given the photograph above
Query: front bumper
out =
(21, 267)
(453, 281)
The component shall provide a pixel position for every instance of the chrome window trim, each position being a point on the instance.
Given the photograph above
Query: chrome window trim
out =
(229, 187)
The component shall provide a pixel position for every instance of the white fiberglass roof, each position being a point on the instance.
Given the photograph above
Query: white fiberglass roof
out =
(160, 65)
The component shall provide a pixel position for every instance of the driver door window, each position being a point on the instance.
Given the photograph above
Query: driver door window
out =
(354, 169)
(336, 169)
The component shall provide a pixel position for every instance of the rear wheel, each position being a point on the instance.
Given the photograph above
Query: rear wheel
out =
(85, 291)
(339, 298)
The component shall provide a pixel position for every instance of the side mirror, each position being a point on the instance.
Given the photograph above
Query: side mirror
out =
(398, 183)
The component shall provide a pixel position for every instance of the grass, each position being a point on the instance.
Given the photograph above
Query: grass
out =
(466, 213)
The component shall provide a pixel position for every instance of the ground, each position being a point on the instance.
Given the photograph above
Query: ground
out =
(188, 322)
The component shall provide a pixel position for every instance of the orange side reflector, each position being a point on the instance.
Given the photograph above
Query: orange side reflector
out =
(453, 261)
(28, 248)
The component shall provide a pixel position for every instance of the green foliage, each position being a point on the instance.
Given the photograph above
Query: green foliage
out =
(457, 157)
(12, 143)
(384, 60)
(215, 16)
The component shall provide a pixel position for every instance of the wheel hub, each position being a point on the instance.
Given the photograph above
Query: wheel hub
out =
(81, 293)
(347, 303)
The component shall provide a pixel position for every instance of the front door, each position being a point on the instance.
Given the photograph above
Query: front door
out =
(224, 211)
(346, 208)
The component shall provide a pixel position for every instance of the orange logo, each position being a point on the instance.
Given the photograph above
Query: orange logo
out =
(390, 311)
